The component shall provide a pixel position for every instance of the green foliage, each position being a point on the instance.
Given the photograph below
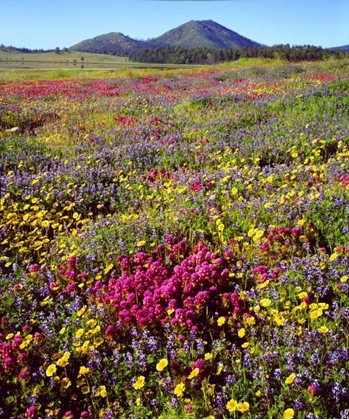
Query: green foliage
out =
(201, 34)
(174, 245)
(210, 55)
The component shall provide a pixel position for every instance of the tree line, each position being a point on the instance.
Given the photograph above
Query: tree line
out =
(203, 55)
(23, 50)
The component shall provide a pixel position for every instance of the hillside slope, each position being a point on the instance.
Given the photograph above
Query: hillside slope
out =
(193, 34)
(112, 43)
(205, 33)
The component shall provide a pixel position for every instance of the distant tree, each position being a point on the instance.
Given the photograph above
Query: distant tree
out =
(57, 50)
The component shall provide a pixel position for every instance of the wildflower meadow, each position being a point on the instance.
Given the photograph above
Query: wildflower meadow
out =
(174, 244)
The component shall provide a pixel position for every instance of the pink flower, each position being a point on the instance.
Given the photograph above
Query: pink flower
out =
(22, 358)
(31, 412)
(8, 363)
(188, 408)
(24, 374)
(110, 331)
(72, 262)
(200, 364)
(17, 340)
(34, 268)
(313, 389)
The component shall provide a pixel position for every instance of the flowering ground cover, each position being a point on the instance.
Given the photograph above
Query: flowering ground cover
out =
(175, 245)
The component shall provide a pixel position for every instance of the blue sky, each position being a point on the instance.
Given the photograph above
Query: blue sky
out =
(63, 23)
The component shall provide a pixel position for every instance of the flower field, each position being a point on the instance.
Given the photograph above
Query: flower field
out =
(175, 244)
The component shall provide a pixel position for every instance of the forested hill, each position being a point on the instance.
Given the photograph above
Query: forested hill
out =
(180, 55)
(204, 33)
(193, 34)
(112, 43)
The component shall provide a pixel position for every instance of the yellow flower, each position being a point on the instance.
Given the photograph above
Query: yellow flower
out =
(179, 390)
(194, 373)
(279, 319)
(85, 389)
(79, 333)
(62, 362)
(323, 329)
(290, 379)
(243, 407)
(221, 321)
(24, 344)
(219, 368)
(139, 382)
(96, 330)
(265, 302)
(316, 313)
(91, 323)
(45, 224)
(343, 279)
(101, 391)
(251, 320)
(263, 285)
(333, 256)
(208, 356)
(241, 332)
(210, 389)
(220, 227)
(258, 393)
(51, 370)
(161, 365)
(258, 235)
(108, 268)
(84, 370)
(288, 413)
(81, 311)
(65, 383)
(232, 405)
(98, 341)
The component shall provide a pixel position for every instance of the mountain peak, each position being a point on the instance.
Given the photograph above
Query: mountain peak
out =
(193, 34)
(204, 33)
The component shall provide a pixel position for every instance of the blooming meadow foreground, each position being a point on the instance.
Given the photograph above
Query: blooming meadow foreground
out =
(175, 244)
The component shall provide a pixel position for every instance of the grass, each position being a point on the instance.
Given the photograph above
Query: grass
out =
(18, 66)
(105, 66)
(62, 57)
(175, 246)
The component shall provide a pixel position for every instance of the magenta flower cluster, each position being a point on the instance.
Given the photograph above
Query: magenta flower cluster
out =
(148, 292)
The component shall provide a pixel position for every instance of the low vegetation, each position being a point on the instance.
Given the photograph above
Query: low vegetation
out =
(174, 244)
